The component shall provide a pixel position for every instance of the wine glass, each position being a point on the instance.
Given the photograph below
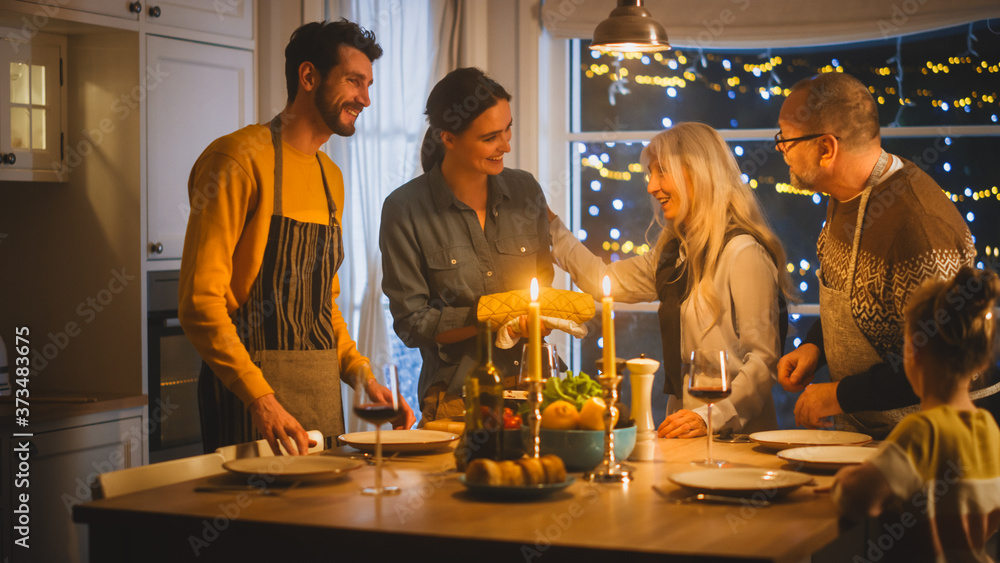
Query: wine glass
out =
(708, 381)
(549, 368)
(550, 362)
(378, 410)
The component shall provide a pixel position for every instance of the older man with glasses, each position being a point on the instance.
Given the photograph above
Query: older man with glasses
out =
(888, 228)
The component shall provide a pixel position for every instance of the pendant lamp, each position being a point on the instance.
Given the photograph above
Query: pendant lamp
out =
(630, 28)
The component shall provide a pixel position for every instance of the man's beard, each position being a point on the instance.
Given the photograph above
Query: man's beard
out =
(332, 120)
(801, 183)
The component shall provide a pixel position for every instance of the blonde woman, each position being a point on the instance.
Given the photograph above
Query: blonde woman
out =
(717, 270)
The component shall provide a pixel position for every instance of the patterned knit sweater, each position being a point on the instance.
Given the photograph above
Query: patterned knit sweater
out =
(912, 232)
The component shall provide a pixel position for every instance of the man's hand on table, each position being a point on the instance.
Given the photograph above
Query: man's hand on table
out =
(682, 424)
(797, 368)
(815, 404)
(277, 425)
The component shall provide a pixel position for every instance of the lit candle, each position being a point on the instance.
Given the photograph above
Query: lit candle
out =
(534, 335)
(608, 326)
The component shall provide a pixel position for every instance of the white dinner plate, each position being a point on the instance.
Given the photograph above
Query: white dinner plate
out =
(400, 440)
(781, 439)
(741, 480)
(827, 457)
(310, 467)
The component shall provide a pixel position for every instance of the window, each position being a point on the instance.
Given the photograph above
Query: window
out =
(938, 103)
(32, 107)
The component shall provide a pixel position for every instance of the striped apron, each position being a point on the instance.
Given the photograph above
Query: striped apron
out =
(286, 327)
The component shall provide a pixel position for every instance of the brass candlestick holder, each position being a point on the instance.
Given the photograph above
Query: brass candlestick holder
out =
(609, 470)
(535, 388)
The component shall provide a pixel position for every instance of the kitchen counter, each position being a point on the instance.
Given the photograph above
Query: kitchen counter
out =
(48, 408)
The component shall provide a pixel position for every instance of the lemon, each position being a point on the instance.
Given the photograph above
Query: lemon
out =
(592, 414)
(560, 415)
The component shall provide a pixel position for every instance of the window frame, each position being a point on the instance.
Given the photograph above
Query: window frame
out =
(557, 57)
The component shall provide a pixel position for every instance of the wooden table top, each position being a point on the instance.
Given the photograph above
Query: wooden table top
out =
(585, 518)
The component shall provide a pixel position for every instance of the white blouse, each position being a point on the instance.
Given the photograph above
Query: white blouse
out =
(746, 283)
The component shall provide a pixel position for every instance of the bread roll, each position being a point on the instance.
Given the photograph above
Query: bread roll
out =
(534, 473)
(555, 470)
(511, 474)
(451, 426)
(483, 472)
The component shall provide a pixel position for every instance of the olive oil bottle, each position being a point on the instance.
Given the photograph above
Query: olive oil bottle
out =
(483, 437)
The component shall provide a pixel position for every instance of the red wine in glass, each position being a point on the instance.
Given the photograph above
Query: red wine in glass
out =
(709, 394)
(376, 414)
(707, 373)
(378, 409)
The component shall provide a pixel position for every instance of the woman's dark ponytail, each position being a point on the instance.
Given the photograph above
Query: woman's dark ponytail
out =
(431, 150)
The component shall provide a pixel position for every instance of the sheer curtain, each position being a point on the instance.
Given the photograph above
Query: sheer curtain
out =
(421, 40)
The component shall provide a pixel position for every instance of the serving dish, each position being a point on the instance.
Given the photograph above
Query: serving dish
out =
(742, 481)
(299, 468)
(501, 491)
(417, 440)
(782, 439)
(827, 457)
(582, 450)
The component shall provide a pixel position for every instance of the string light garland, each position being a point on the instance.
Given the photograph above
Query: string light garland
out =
(946, 83)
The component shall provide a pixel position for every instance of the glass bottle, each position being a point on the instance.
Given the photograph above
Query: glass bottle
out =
(483, 437)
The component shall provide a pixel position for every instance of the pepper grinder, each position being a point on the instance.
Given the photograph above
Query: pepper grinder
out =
(641, 372)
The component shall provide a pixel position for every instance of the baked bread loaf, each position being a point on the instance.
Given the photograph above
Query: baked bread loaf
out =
(511, 474)
(483, 472)
(555, 469)
(534, 473)
(524, 472)
(446, 425)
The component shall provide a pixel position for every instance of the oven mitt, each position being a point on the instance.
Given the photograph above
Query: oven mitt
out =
(500, 308)
(505, 341)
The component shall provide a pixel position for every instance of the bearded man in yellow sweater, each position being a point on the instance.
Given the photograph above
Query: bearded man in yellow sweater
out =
(261, 253)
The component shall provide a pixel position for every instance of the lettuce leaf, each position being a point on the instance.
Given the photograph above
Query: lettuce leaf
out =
(575, 389)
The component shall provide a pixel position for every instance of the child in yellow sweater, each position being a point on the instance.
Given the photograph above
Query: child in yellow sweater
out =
(935, 481)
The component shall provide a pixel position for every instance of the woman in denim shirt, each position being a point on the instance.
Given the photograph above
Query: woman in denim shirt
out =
(467, 227)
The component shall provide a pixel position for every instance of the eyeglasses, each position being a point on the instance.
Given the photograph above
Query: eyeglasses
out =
(778, 140)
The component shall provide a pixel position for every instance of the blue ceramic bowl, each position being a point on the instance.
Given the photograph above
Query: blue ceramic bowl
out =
(582, 450)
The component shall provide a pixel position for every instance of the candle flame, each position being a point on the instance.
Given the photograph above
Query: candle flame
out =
(607, 286)
(534, 289)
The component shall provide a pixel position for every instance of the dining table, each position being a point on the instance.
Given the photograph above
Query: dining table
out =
(435, 515)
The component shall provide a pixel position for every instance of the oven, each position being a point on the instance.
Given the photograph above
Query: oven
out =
(174, 426)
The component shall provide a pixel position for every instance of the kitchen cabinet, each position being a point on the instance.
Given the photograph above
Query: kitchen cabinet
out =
(230, 18)
(32, 107)
(203, 92)
(145, 96)
(63, 457)
(123, 9)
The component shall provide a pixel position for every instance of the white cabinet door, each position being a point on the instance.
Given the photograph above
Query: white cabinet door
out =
(62, 465)
(32, 104)
(231, 18)
(122, 9)
(197, 93)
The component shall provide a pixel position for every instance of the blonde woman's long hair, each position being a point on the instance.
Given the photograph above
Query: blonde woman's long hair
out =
(722, 201)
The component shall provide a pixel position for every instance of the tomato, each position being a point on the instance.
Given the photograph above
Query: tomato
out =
(513, 423)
